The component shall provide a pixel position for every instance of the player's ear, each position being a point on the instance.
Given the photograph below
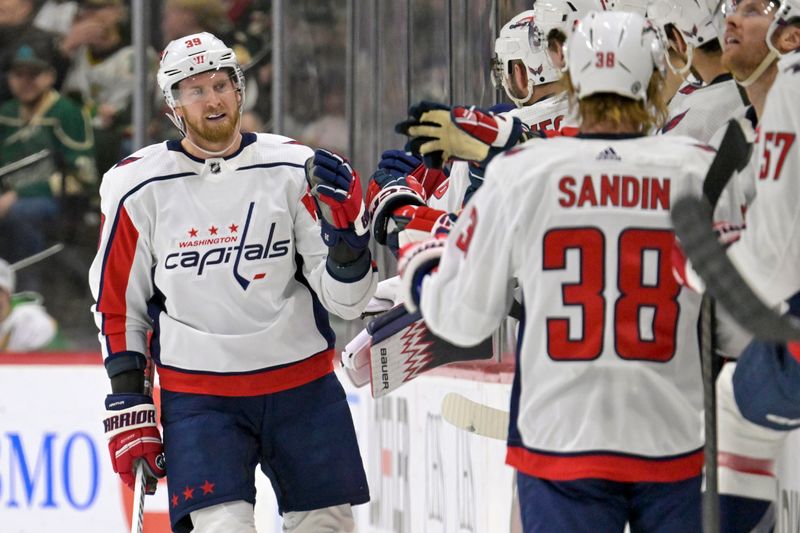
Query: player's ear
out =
(519, 74)
(787, 39)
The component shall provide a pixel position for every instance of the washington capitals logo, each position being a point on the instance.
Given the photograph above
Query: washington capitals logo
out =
(231, 246)
(537, 71)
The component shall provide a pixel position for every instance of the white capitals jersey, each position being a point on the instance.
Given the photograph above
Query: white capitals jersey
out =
(548, 115)
(700, 111)
(608, 367)
(768, 253)
(224, 261)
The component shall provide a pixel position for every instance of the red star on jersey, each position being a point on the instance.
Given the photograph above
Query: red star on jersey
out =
(188, 494)
(192, 232)
(234, 228)
(174, 500)
(212, 230)
(208, 488)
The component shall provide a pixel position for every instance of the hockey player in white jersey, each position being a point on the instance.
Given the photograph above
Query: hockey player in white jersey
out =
(221, 255)
(607, 394)
(757, 396)
(697, 111)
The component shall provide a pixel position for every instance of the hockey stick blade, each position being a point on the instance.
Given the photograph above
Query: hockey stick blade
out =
(475, 417)
(137, 514)
(691, 218)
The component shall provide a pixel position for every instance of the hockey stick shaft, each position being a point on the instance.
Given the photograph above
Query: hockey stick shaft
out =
(691, 218)
(137, 514)
(475, 417)
(711, 516)
(140, 483)
(35, 258)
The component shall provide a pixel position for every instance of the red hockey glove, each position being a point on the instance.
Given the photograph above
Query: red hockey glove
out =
(336, 188)
(385, 194)
(132, 433)
(415, 262)
(429, 178)
(411, 224)
(440, 133)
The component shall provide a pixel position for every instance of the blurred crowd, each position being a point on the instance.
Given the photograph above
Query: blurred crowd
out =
(66, 91)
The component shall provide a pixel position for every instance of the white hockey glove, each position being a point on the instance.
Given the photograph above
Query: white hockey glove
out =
(416, 261)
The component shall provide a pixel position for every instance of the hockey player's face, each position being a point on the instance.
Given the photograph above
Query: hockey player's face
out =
(209, 104)
(743, 46)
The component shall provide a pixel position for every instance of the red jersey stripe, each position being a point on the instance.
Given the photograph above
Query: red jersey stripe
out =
(747, 465)
(112, 303)
(254, 384)
(604, 466)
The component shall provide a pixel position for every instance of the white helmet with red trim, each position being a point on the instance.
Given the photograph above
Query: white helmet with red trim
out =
(526, 38)
(614, 52)
(192, 55)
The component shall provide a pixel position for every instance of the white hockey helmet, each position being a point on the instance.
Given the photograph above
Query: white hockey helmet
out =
(692, 18)
(788, 10)
(525, 38)
(614, 52)
(192, 55)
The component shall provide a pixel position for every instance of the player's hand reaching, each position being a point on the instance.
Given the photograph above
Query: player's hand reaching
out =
(416, 261)
(132, 433)
(336, 189)
(440, 133)
(399, 163)
(387, 193)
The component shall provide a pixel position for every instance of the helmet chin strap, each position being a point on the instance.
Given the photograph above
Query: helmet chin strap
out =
(682, 71)
(520, 102)
(765, 63)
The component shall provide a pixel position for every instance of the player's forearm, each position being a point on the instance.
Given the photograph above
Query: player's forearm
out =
(128, 381)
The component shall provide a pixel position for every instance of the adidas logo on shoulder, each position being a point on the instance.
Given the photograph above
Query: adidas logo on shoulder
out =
(609, 153)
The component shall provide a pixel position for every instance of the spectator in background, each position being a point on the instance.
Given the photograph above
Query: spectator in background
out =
(25, 325)
(46, 149)
(251, 121)
(185, 17)
(16, 24)
(101, 75)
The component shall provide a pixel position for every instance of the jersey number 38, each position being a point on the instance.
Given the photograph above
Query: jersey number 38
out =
(650, 297)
